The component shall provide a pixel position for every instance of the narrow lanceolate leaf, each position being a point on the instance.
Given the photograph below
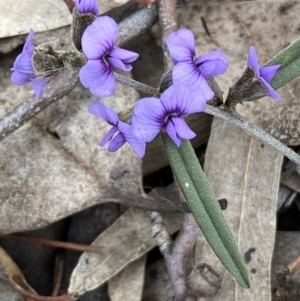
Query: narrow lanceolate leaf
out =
(289, 59)
(205, 207)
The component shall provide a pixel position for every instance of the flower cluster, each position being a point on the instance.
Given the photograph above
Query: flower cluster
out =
(188, 94)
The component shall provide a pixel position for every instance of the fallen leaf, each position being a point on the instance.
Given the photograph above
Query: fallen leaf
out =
(11, 275)
(129, 283)
(252, 204)
(19, 16)
(127, 240)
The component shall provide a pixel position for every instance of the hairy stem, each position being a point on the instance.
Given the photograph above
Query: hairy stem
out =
(227, 115)
(136, 85)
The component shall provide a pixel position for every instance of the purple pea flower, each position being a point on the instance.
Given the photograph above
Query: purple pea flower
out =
(264, 74)
(98, 43)
(187, 68)
(23, 72)
(87, 6)
(151, 115)
(125, 130)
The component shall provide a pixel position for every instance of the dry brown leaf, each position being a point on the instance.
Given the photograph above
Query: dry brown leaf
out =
(128, 239)
(129, 283)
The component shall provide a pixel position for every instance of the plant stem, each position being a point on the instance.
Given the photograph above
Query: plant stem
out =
(135, 84)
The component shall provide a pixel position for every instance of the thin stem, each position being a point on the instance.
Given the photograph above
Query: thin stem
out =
(56, 243)
(58, 274)
(254, 130)
(136, 85)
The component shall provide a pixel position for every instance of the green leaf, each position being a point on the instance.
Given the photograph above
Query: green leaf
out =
(205, 207)
(289, 59)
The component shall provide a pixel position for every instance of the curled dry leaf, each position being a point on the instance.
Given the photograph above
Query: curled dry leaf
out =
(13, 280)
(10, 276)
(128, 239)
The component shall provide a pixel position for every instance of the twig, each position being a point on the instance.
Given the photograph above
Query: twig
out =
(137, 23)
(56, 243)
(58, 274)
(34, 297)
(167, 19)
(65, 82)
(177, 254)
(254, 130)
(58, 87)
(135, 84)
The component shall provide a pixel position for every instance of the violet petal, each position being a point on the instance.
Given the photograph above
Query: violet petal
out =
(125, 55)
(185, 72)
(253, 60)
(268, 72)
(138, 145)
(212, 64)
(23, 64)
(108, 136)
(188, 73)
(19, 79)
(116, 143)
(182, 129)
(181, 45)
(102, 111)
(39, 85)
(271, 90)
(99, 38)
(28, 44)
(182, 100)
(118, 64)
(148, 118)
(171, 130)
(98, 78)
(87, 6)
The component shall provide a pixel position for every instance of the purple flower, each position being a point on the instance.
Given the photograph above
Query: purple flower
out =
(98, 43)
(151, 115)
(87, 6)
(23, 72)
(125, 130)
(181, 46)
(264, 74)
